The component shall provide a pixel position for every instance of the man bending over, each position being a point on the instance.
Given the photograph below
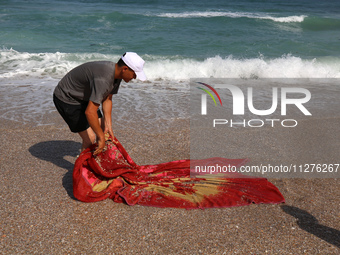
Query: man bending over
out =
(81, 91)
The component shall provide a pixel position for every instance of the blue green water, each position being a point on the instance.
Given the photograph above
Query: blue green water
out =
(41, 40)
(178, 39)
(188, 28)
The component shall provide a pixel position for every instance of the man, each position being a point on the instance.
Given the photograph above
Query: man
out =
(80, 93)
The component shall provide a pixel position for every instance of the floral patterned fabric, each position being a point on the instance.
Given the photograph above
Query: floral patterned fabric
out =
(113, 174)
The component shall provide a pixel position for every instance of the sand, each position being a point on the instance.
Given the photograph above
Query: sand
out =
(39, 214)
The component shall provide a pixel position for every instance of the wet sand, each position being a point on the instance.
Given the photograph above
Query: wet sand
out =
(40, 215)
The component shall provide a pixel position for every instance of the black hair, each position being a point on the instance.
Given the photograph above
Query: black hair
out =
(120, 62)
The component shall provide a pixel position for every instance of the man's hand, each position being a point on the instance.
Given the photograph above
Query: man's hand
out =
(101, 145)
(107, 110)
(92, 118)
(108, 130)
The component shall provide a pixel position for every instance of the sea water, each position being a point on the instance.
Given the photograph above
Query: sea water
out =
(40, 41)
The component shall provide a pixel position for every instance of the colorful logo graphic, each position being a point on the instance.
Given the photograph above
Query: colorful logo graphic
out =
(204, 97)
(209, 93)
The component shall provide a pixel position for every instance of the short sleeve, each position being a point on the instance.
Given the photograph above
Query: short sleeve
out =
(100, 89)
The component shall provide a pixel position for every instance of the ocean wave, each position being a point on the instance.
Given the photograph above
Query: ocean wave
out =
(287, 66)
(321, 24)
(23, 65)
(14, 64)
(210, 14)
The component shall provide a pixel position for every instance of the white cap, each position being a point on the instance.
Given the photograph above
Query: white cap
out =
(136, 63)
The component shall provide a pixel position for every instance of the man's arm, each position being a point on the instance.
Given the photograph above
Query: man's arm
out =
(92, 118)
(107, 111)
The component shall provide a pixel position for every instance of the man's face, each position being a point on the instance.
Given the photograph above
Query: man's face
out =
(128, 74)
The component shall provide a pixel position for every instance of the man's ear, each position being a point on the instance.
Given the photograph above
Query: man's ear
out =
(122, 69)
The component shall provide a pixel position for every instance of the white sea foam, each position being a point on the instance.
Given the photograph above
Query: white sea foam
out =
(17, 65)
(285, 67)
(14, 64)
(36, 75)
(209, 14)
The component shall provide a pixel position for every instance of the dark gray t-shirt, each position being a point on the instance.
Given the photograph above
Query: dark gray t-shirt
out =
(92, 81)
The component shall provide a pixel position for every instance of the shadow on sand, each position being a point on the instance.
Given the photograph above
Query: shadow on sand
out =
(55, 151)
(309, 223)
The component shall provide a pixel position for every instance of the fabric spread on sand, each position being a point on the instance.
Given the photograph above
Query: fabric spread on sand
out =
(113, 174)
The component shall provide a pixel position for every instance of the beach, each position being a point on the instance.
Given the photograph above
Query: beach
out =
(180, 41)
(39, 213)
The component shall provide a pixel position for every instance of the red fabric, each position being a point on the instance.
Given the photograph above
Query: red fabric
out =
(113, 174)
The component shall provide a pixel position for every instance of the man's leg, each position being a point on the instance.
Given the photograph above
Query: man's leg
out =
(102, 123)
(74, 116)
(88, 136)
